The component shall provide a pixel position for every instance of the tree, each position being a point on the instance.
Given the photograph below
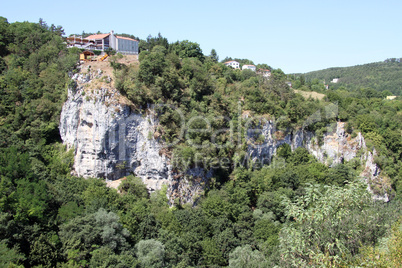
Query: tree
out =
(152, 64)
(322, 226)
(244, 257)
(81, 235)
(278, 74)
(340, 175)
(187, 49)
(105, 257)
(4, 36)
(45, 250)
(110, 51)
(133, 186)
(151, 42)
(10, 257)
(31, 200)
(211, 255)
(97, 195)
(284, 151)
(214, 56)
(387, 254)
(151, 253)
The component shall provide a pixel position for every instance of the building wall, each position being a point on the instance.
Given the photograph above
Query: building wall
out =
(233, 64)
(113, 41)
(250, 67)
(127, 46)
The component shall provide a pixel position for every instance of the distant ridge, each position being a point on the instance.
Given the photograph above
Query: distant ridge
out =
(386, 75)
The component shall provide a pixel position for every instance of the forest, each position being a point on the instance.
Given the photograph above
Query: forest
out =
(383, 77)
(293, 212)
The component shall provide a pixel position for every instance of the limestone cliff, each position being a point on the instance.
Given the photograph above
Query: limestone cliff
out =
(336, 146)
(111, 140)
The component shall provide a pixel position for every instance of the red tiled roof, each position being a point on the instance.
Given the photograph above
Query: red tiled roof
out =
(97, 36)
(76, 38)
(126, 38)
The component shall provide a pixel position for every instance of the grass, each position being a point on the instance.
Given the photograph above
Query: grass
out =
(312, 94)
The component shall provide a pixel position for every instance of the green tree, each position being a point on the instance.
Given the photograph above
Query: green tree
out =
(97, 195)
(4, 36)
(151, 253)
(45, 250)
(214, 56)
(322, 229)
(10, 257)
(151, 42)
(187, 49)
(133, 186)
(105, 257)
(152, 64)
(211, 255)
(31, 200)
(284, 151)
(340, 175)
(245, 256)
(83, 234)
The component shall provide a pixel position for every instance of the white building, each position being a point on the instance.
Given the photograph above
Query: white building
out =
(234, 64)
(101, 42)
(123, 45)
(249, 67)
(335, 80)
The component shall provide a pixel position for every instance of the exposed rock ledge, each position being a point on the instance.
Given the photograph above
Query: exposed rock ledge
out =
(336, 147)
(112, 141)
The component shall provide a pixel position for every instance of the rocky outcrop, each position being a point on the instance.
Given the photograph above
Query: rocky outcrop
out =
(111, 140)
(189, 186)
(335, 147)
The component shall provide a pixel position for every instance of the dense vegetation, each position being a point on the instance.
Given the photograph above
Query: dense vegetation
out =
(381, 76)
(295, 212)
(366, 111)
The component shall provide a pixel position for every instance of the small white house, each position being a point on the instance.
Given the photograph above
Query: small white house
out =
(234, 64)
(335, 80)
(249, 67)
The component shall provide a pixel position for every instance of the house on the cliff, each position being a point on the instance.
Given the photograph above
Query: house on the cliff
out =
(249, 67)
(234, 64)
(102, 42)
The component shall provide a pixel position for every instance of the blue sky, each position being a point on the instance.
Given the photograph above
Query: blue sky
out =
(296, 36)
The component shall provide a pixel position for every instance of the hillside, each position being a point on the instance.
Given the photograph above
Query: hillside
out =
(216, 167)
(380, 76)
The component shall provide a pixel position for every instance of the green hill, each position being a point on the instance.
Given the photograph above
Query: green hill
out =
(292, 212)
(380, 76)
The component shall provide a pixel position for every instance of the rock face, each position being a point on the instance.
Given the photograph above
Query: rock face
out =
(111, 141)
(335, 147)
